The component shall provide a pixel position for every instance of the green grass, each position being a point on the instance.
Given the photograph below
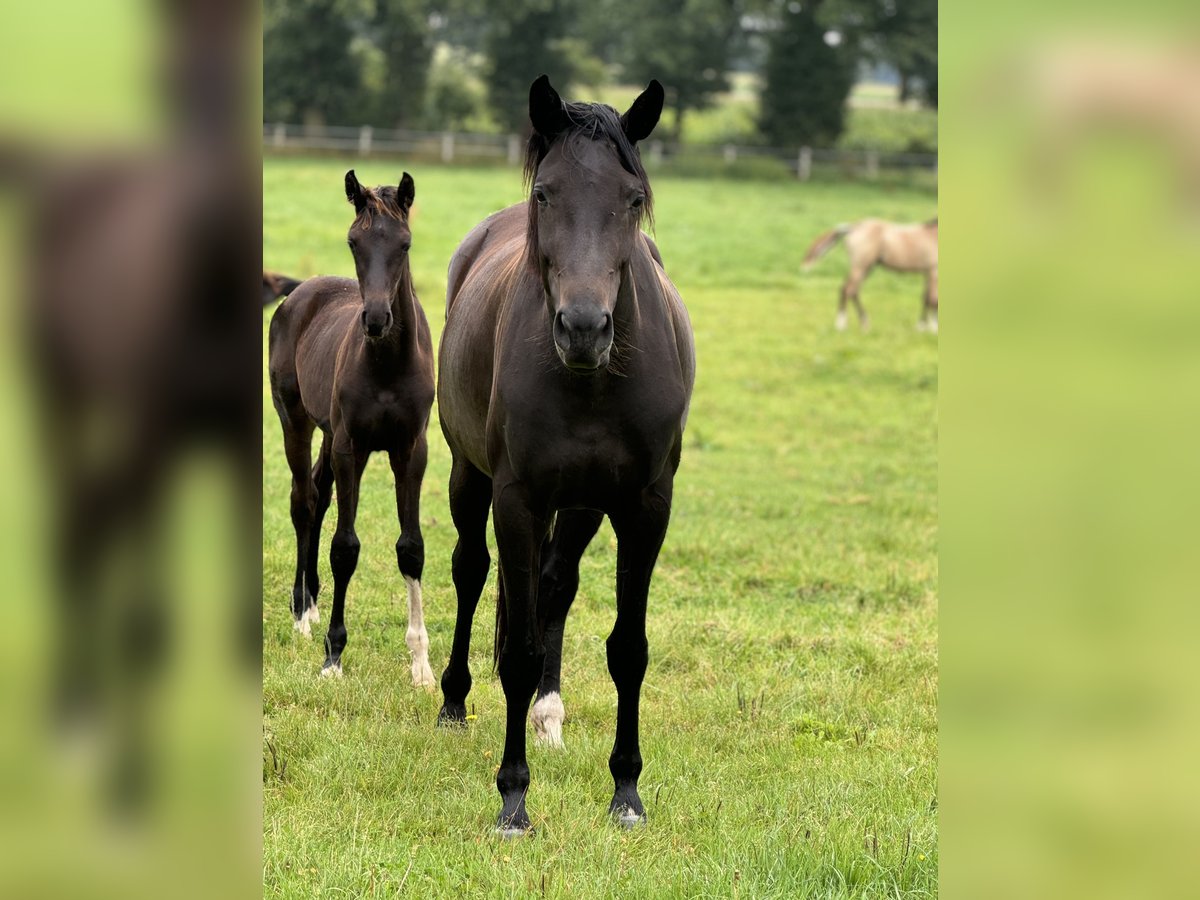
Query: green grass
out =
(790, 708)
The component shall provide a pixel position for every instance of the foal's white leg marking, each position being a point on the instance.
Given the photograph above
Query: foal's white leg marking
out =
(841, 320)
(416, 637)
(547, 717)
(307, 618)
(627, 818)
(933, 324)
(334, 671)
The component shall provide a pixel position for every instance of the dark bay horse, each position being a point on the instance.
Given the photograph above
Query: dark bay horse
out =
(354, 358)
(872, 242)
(567, 365)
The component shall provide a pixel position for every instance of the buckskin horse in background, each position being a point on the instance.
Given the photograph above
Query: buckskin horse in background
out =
(567, 365)
(872, 242)
(354, 358)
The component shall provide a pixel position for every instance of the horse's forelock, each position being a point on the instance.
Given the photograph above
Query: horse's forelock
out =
(596, 122)
(380, 200)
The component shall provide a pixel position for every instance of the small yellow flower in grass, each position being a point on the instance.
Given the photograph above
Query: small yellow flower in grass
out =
(920, 856)
(487, 754)
(472, 717)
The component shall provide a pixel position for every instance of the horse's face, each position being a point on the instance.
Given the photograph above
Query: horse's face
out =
(588, 207)
(379, 239)
(588, 213)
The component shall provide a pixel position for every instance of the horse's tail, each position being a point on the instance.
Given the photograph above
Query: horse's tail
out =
(501, 620)
(824, 244)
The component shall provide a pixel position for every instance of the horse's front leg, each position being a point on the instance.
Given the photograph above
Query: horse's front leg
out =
(520, 529)
(640, 531)
(408, 467)
(348, 465)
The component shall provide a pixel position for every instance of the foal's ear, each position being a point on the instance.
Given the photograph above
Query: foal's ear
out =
(639, 120)
(354, 191)
(406, 191)
(546, 111)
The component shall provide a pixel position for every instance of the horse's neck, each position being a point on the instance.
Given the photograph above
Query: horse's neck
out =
(404, 304)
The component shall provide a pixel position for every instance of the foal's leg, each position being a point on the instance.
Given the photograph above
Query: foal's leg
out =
(853, 286)
(348, 465)
(322, 476)
(297, 445)
(470, 499)
(843, 296)
(559, 582)
(408, 467)
(931, 300)
(640, 532)
(520, 530)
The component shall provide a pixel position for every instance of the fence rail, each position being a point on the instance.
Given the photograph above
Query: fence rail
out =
(451, 147)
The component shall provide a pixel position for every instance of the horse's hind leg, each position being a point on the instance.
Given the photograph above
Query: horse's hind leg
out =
(559, 583)
(852, 287)
(408, 467)
(843, 296)
(930, 309)
(297, 445)
(470, 498)
(348, 465)
(322, 476)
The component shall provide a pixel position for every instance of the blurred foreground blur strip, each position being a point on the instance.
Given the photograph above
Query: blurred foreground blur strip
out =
(129, 357)
(1068, 483)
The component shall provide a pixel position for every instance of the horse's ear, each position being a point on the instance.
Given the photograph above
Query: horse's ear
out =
(406, 191)
(354, 191)
(546, 108)
(639, 120)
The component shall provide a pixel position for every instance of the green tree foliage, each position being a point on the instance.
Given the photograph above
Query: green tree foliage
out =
(807, 79)
(685, 44)
(523, 41)
(400, 30)
(309, 71)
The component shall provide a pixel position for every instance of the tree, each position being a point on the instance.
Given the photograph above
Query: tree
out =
(400, 31)
(686, 45)
(808, 77)
(523, 41)
(309, 72)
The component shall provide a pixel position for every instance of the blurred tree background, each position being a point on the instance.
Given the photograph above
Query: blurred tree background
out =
(851, 73)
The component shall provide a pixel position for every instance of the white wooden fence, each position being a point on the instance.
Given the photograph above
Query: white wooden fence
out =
(451, 147)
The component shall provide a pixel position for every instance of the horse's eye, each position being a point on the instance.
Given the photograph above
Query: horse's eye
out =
(637, 202)
(540, 196)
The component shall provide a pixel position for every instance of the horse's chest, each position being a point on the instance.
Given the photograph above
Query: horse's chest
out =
(589, 463)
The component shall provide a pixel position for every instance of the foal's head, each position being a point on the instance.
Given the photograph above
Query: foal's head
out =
(589, 195)
(379, 238)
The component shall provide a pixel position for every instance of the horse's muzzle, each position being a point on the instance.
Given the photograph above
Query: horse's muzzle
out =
(376, 325)
(583, 338)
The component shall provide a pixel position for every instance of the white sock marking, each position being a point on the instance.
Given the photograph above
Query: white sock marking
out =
(547, 717)
(334, 671)
(841, 321)
(416, 637)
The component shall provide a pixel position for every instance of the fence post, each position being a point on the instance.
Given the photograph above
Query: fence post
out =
(364, 140)
(872, 164)
(730, 153)
(514, 149)
(804, 164)
(280, 136)
(656, 152)
(447, 146)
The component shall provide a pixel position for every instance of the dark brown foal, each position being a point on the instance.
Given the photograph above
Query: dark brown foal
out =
(354, 358)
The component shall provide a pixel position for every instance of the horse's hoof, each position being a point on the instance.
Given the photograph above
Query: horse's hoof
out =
(509, 832)
(547, 718)
(301, 625)
(515, 826)
(452, 718)
(627, 818)
(313, 616)
(331, 670)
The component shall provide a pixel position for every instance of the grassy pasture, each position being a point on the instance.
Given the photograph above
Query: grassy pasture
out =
(790, 708)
